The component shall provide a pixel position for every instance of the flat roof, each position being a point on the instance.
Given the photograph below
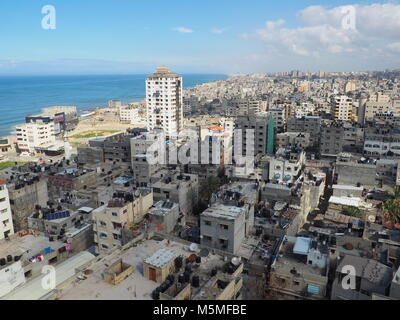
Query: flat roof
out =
(34, 290)
(302, 246)
(161, 258)
(161, 208)
(28, 245)
(352, 202)
(347, 187)
(220, 210)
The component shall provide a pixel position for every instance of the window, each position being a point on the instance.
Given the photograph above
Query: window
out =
(207, 223)
(207, 238)
(224, 226)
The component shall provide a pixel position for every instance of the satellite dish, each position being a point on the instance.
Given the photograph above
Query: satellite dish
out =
(194, 247)
(372, 218)
(235, 261)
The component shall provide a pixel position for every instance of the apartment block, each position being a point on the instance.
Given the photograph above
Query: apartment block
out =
(164, 102)
(6, 221)
(123, 211)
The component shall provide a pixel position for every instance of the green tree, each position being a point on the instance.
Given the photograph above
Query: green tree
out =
(208, 187)
(392, 206)
(352, 212)
(392, 210)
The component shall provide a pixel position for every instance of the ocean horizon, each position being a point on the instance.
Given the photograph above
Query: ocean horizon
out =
(22, 95)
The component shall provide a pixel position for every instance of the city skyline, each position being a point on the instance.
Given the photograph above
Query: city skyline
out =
(255, 37)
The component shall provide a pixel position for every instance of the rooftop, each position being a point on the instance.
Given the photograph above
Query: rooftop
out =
(27, 246)
(161, 258)
(163, 72)
(161, 208)
(222, 211)
(371, 270)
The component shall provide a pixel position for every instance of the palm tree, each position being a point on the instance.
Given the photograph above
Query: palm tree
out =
(392, 206)
(392, 210)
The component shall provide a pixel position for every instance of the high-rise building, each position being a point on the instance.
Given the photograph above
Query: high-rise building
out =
(35, 135)
(6, 223)
(342, 108)
(164, 102)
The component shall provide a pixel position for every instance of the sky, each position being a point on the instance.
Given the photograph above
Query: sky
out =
(197, 36)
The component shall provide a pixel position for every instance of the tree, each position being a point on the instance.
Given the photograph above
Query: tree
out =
(352, 211)
(208, 187)
(392, 210)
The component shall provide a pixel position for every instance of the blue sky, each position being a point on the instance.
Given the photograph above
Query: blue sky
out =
(193, 36)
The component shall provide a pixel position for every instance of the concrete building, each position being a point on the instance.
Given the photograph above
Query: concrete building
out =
(342, 108)
(264, 134)
(71, 179)
(279, 116)
(160, 265)
(164, 216)
(293, 139)
(34, 135)
(224, 227)
(286, 166)
(123, 211)
(25, 193)
(25, 255)
(300, 268)
(372, 277)
(114, 148)
(7, 145)
(164, 102)
(339, 137)
(308, 124)
(6, 221)
(382, 141)
(176, 187)
(66, 117)
(244, 107)
(140, 146)
(133, 113)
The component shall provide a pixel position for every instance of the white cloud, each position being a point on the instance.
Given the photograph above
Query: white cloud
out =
(394, 46)
(218, 30)
(327, 31)
(183, 30)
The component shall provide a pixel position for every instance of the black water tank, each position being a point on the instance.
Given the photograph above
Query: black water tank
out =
(181, 278)
(156, 294)
(2, 262)
(196, 281)
(171, 278)
(16, 258)
(9, 258)
(165, 285)
(198, 259)
(188, 268)
(178, 262)
(187, 276)
(214, 272)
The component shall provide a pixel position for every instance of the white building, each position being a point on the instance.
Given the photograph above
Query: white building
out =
(164, 102)
(132, 114)
(342, 108)
(35, 134)
(6, 223)
(286, 167)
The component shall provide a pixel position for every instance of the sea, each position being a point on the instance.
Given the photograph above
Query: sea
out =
(20, 96)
